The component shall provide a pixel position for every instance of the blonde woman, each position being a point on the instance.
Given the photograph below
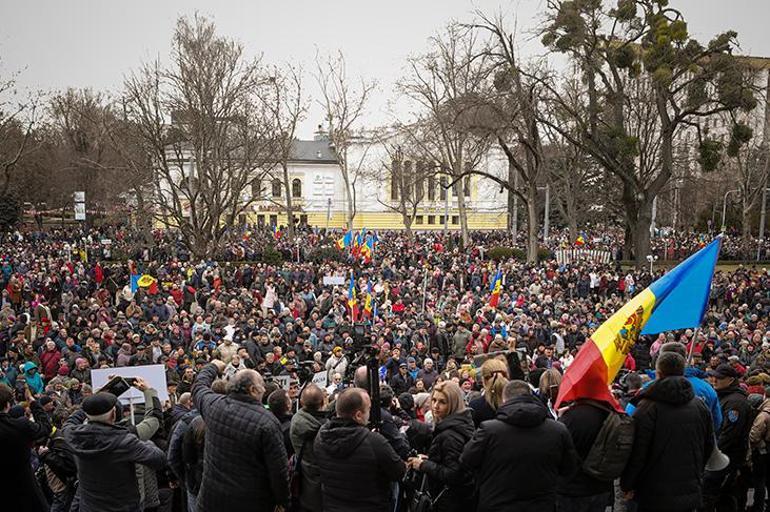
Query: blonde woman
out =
(494, 377)
(548, 389)
(448, 484)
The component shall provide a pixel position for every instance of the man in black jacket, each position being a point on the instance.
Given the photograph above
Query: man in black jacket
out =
(737, 418)
(245, 462)
(519, 457)
(19, 488)
(673, 439)
(106, 455)
(584, 493)
(356, 464)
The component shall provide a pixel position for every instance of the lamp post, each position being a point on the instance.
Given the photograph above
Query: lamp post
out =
(724, 208)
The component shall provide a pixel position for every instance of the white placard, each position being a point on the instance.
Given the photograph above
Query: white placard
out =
(80, 196)
(320, 379)
(333, 280)
(283, 381)
(80, 211)
(154, 375)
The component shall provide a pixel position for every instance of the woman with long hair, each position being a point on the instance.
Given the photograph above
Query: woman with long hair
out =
(449, 485)
(548, 388)
(494, 377)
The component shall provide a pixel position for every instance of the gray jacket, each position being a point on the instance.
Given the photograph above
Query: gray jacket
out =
(304, 428)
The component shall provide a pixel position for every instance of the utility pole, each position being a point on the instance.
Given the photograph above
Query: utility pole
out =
(328, 212)
(446, 209)
(654, 215)
(547, 220)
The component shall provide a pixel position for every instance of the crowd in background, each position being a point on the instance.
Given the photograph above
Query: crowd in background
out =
(67, 306)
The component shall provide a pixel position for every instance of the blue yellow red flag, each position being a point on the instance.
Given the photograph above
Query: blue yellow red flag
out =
(677, 300)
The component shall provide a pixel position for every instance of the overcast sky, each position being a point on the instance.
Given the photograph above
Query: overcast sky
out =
(93, 43)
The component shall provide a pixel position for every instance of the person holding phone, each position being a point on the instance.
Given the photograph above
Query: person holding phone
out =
(106, 454)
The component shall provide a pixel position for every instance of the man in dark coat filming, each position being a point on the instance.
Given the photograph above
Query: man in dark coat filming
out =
(245, 462)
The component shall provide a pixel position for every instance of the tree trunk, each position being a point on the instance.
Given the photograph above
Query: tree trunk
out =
(572, 220)
(746, 219)
(513, 219)
(408, 226)
(289, 206)
(641, 230)
(462, 212)
(532, 223)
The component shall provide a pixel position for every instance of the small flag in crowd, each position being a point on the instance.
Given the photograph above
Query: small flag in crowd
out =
(276, 232)
(677, 300)
(496, 287)
(580, 241)
(352, 302)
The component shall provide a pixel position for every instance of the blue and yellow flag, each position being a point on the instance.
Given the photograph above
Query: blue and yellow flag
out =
(495, 288)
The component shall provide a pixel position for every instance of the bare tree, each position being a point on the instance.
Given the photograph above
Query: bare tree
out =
(410, 172)
(439, 83)
(285, 100)
(220, 140)
(343, 105)
(18, 116)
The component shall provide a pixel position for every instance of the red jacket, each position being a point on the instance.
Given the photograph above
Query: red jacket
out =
(49, 362)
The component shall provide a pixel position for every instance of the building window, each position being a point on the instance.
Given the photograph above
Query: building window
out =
(467, 186)
(303, 220)
(419, 180)
(276, 188)
(418, 219)
(274, 220)
(455, 220)
(431, 219)
(440, 219)
(431, 188)
(260, 220)
(407, 180)
(395, 168)
(443, 190)
(296, 187)
(256, 188)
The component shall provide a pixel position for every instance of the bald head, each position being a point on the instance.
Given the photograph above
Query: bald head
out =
(312, 398)
(186, 400)
(361, 377)
(247, 382)
(354, 404)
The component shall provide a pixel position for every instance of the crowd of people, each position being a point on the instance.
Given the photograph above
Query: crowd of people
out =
(271, 376)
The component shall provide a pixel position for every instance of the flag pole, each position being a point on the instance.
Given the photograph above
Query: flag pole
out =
(692, 345)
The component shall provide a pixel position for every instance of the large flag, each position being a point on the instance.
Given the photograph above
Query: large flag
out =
(495, 288)
(366, 250)
(677, 300)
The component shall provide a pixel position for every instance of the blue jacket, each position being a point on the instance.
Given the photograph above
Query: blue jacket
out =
(702, 389)
(34, 380)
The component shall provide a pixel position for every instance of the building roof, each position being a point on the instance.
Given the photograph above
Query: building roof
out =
(317, 151)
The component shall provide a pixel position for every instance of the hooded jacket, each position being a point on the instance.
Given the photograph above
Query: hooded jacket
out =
(106, 456)
(443, 465)
(518, 457)
(304, 429)
(673, 438)
(34, 380)
(356, 467)
(760, 428)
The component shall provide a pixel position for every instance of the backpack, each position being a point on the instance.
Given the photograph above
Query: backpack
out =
(612, 448)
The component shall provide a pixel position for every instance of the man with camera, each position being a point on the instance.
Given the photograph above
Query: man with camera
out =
(245, 462)
(106, 454)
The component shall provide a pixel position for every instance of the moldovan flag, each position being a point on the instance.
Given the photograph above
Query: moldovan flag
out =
(677, 300)
(496, 288)
(149, 282)
(352, 302)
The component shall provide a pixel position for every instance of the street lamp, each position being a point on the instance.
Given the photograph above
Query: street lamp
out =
(724, 208)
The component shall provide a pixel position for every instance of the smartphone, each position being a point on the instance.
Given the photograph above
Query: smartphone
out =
(118, 385)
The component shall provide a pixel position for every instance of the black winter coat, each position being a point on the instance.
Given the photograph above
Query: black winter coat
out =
(357, 467)
(106, 457)
(737, 418)
(518, 458)
(19, 489)
(481, 410)
(443, 465)
(673, 438)
(584, 421)
(245, 462)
